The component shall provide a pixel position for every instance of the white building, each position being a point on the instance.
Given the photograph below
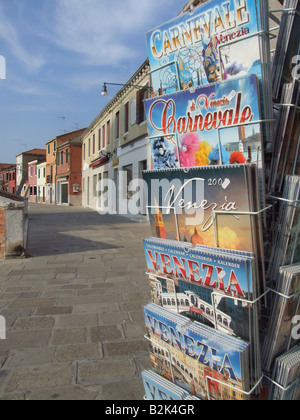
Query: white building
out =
(41, 182)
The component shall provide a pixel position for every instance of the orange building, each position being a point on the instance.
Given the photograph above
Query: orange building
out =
(51, 163)
(69, 173)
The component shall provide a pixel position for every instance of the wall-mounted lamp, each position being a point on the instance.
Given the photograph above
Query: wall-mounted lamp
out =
(105, 93)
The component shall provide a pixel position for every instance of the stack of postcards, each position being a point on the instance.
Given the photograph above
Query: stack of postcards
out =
(288, 47)
(286, 241)
(285, 307)
(286, 145)
(286, 379)
(205, 362)
(157, 388)
(219, 289)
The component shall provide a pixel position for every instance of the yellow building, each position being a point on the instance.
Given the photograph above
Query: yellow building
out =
(115, 146)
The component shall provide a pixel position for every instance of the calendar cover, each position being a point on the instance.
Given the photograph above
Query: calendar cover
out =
(215, 41)
(209, 205)
(218, 124)
(204, 285)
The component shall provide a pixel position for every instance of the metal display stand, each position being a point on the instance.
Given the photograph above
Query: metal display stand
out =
(268, 124)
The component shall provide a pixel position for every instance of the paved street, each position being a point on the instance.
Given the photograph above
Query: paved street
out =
(73, 309)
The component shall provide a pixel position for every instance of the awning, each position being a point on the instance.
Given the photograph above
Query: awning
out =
(99, 162)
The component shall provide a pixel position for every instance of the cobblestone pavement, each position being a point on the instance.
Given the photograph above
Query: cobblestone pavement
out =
(73, 309)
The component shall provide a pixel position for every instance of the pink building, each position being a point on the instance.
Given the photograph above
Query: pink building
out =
(31, 187)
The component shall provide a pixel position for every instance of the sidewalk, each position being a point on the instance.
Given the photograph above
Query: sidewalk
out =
(73, 310)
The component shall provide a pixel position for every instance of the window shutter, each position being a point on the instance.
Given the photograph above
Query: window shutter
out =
(139, 106)
(133, 112)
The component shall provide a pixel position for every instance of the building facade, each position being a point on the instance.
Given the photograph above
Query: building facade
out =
(115, 147)
(8, 178)
(31, 190)
(69, 173)
(22, 168)
(51, 163)
(41, 182)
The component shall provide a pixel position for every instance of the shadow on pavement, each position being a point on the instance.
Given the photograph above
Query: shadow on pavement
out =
(54, 231)
(64, 244)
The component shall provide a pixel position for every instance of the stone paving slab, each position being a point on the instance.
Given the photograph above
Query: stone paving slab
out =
(74, 309)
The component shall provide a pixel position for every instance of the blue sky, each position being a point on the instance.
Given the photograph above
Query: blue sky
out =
(58, 53)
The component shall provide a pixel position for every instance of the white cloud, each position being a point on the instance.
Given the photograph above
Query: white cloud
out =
(103, 31)
(9, 34)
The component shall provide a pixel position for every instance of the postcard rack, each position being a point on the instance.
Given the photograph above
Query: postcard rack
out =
(263, 223)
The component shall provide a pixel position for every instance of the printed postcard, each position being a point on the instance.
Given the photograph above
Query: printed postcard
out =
(219, 124)
(216, 41)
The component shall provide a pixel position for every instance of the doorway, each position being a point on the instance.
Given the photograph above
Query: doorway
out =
(64, 193)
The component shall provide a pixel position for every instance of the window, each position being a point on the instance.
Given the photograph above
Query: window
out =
(117, 120)
(99, 139)
(142, 167)
(44, 172)
(89, 148)
(61, 158)
(126, 117)
(94, 144)
(141, 95)
(54, 145)
(108, 132)
(103, 137)
(67, 156)
(48, 149)
(84, 151)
